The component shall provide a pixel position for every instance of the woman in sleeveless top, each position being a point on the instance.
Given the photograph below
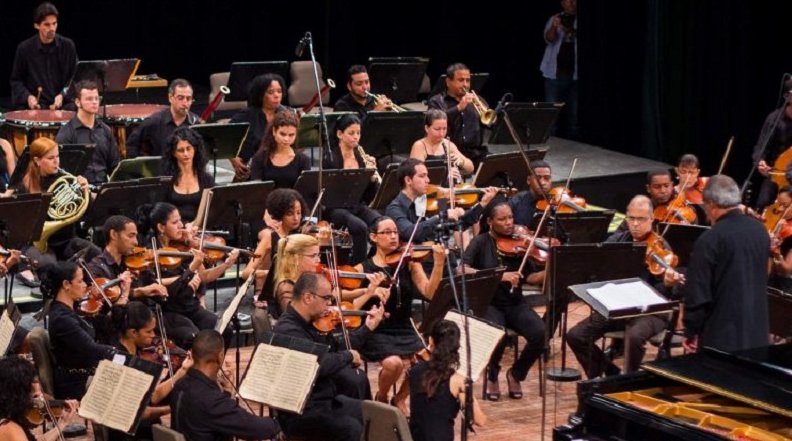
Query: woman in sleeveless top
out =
(395, 341)
(436, 146)
(19, 389)
(185, 160)
(437, 392)
(277, 159)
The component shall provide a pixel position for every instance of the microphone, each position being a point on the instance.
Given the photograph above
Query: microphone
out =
(301, 45)
(506, 96)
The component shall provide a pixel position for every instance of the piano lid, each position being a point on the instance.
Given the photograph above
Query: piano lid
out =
(761, 377)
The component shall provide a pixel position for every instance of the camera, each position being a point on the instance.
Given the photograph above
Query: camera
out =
(567, 20)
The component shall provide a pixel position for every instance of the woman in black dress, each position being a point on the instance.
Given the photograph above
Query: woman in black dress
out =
(185, 160)
(277, 160)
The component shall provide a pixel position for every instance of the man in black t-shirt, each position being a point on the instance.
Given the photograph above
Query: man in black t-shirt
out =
(359, 98)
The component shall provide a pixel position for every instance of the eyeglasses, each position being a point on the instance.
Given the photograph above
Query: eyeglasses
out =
(328, 298)
(314, 256)
(387, 232)
(637, 220)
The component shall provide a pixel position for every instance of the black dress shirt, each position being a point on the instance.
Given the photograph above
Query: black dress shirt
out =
(402, 211)
(105, 157)
(258, 125)
(348, 104)
(464, 128)
(203, 412)
(523, 206)
(151, 137)
(50, 66)
(262, 169)
(482, 253)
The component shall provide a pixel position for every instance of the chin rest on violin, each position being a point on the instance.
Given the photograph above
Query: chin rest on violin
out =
(353, 318)
(516, 244)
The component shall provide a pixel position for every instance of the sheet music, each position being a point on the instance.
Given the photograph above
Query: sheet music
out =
(115, 395)
(7, 327)
(616, 296)
(483, 339)
(280, 377)
(229, 312)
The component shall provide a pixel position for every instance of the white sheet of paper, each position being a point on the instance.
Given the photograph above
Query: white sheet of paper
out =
(279, 377)
(6, 332)
(616, 296)
(483, 340)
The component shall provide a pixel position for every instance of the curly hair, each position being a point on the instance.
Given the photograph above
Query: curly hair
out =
(281, 119)
(16, 382)
(282, 200)
(445, 356)
(259, 86)
(170, 166)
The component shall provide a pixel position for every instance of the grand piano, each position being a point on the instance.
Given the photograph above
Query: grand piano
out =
(710, 395)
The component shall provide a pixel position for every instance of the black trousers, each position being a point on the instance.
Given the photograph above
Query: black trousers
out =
(525, 322)
(181, 328)
(338, 420)
(357, 221)
(582, 340)
(353, 383)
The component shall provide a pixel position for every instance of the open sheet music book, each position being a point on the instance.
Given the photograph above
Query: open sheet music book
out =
(616, 296)
(7, 327)
(280, 377)
(484, 337)
(116, 396)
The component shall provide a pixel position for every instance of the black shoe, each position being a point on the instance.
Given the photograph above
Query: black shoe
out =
(30, 283)
(613, 351)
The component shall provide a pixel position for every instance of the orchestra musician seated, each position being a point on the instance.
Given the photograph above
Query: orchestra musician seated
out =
(360, 99)
(202, 407)
(523, 204)
(328, 415)
(277, 158)
(435, 146)
(7, 163)
(185, 160)
(582, 337)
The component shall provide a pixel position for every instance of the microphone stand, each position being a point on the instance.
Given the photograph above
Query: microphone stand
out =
(324, 134)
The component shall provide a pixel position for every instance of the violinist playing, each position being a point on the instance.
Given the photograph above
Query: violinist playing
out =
(639, 329)
(669, 206)
(395, 342)
(329, 415)
(20, 393)
(134, 324)
(523, 204)
(777, 218)
(508, 307)
(185, 310)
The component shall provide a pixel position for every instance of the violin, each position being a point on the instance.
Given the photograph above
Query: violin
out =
(416, 253)
(92, 304)
(156, 353)
(695, 193)
(216, 249)
(516, 244)
(322, 231)
(465, 195)
(563, 200)
(143, 258)
(658, 257)
(353, 318)
(677, 211)
(348, 277)
(42, 410)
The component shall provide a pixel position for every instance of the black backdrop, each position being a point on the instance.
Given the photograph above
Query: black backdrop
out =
(658, 77)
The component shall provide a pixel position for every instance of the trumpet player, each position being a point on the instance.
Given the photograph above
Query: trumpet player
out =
(359, 99)
(435, 145)
(349, 154)
(464, 121)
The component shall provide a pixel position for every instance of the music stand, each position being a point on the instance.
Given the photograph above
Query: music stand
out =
(400, 81)
(477, 82)
(136, 168)
(506, 169)
(124, 197)
(482, 284)
(779, 303)
(629, 307)
(580, 228)
(682, 238)
(243, 72)
(391, 187)
(109, 75)
(592, 263)
(531, 121)
(391, 133)
(309, 131)
(22, 218)
(233, 204)
(222, 141)
(344, 188)
(74, 158)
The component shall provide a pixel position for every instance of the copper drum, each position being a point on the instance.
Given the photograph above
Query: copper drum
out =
(123, 117)
(23, 126)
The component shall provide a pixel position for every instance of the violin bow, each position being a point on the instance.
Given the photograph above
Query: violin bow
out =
(206, 218)
(451, 195)
(316, 204)
(332, 263)
(155, 251)
(163, 338)
(726, 155)
(524, 155)
(45, 405)
(407, 246)
(674, 211)
(533, 239)
(96, 285)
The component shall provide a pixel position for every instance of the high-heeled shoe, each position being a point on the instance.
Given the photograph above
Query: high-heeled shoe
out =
(493, 391)
(515, 389)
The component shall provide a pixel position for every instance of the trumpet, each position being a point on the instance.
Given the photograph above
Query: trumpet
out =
(370, 162)
(486, 115)
(392, 106)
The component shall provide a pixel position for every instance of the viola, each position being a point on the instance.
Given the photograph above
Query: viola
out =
(353, 318)
(92, 304)
(42, 410)
(658, 257)
(348, 276)
(143, 258)
(677, 211)
(156, 353)
(465, 195)
(563, 200)
(416, 253)
(516, 244)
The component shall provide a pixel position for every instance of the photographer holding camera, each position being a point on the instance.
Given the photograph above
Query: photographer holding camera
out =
(559, 64)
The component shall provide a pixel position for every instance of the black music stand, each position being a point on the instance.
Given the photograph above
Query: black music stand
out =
(137, 168)
(400, 81)
(109, 75)
(309, 131)
(16, 228)
(477, 82)
(506, 169)
(580, 228)
(779, 304)
(681, 238)
(635, 308)
(532, 122)
(391, 187)
(481, 285)
(344, 188)
(391, 133)
(222, 141)
(243, 72)
(591, 263)
(74, 158)
(124, 197)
